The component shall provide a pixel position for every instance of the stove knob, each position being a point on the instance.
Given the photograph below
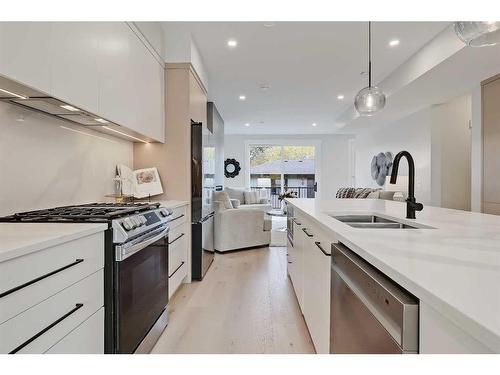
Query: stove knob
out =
(136, 222)
(127, 224)
(164, 212)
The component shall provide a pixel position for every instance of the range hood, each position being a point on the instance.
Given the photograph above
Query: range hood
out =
(24, 96)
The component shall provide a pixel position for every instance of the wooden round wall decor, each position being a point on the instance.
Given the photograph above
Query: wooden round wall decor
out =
(231, 168)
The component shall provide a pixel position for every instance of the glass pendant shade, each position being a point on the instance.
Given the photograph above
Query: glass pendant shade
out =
(478, 34)
(369, 101)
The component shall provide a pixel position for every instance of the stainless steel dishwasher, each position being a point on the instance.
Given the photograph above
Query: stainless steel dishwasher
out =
(369, 313)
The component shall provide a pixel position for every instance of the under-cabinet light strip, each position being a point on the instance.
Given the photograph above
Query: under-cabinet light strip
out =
(126, 135)
(90, 135)
(14, 94)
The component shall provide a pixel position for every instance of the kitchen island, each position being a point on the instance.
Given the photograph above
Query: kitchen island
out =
(451, 263)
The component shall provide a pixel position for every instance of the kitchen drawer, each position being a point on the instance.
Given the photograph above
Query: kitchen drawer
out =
(87, 338)
(179, 217)
(175, 280)
(177, 248)
(48, 322)
(30, 279)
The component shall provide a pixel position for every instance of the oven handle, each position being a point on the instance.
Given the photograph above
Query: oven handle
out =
(124, 251)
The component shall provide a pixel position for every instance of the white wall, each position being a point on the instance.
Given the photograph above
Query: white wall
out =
(44, 165)
(412, 134)
(476, 150)
(451, 157)
(334, 159)
(439, 139)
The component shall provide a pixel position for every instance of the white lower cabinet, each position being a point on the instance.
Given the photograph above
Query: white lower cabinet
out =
(178, 249)
(317, 294)
(52, 300)
(439, 335)
(309, 269)
(37, 329)
(87, 338)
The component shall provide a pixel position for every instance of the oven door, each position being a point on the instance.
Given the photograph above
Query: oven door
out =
(141, 291)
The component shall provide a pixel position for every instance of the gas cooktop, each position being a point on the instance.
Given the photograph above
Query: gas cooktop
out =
(93, 212)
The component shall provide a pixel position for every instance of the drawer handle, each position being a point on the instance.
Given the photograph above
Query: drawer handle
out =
(297, 222)
(177, 269)
(175, 218)
(72, 311)
(170, 243)
(307, 233)
(289, 262)
(10, 291)
(321, 248)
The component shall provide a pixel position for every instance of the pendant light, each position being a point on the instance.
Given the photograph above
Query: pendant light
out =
(478, 34)
(371, 99)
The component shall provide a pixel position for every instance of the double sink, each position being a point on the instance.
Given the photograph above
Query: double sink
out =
(374, 222)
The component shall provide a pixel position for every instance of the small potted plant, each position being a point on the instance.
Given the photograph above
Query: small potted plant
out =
(286, 194)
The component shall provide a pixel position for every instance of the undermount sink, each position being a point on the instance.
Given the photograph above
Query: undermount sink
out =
(374, 222)
(393, 225)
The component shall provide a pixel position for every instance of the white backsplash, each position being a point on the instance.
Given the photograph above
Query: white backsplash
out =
(46, 162)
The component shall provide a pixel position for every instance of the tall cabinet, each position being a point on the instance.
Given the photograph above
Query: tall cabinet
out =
(185, 100)
(491, 145)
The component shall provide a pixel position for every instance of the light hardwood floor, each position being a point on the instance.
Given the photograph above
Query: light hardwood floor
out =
(245, 304)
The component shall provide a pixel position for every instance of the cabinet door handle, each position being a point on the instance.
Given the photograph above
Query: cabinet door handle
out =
(289, 262)
(177, 269)
(175, 218)
(15, 289)
(27, 342)
(318, 244)
(170, 243)
(307, 233)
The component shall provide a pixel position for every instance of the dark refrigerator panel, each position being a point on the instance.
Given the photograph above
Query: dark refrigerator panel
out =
(202, 186)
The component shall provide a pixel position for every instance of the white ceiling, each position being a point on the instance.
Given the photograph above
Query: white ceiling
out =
(306, 65)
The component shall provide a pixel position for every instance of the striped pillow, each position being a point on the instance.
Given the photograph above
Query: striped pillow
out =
(347, 192)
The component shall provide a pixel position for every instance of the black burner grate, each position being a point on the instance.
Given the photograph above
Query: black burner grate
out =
(93, 212)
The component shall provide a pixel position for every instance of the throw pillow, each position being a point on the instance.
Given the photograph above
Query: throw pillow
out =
(224, 198)
(251, 197)
(347, 192)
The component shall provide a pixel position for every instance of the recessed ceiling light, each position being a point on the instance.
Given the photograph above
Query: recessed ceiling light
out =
(101, 120)
(231, 43)
(69, 108)
(394, 43)
(269, 24)
(14, 94)
(242, 97)
(247, 124)
(314, 124)
(340, 97)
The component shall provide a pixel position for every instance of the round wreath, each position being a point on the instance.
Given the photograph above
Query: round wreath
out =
(236, 170)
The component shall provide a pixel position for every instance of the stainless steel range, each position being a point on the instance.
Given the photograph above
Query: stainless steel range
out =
(136, 267)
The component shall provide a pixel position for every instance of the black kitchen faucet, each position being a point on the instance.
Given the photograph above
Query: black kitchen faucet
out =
(411, 202)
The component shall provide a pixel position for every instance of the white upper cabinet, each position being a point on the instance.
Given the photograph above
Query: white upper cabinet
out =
(74, 49)
(116, 75)
(25, 53)
(101, 67)
(131, 82)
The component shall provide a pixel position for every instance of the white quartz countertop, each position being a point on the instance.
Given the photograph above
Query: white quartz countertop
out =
(455, 267)
(18, 239)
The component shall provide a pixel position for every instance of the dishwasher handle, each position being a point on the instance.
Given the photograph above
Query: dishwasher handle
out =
(393, 307)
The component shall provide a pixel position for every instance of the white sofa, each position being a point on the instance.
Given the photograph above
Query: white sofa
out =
(237, 228)
(237, 196)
